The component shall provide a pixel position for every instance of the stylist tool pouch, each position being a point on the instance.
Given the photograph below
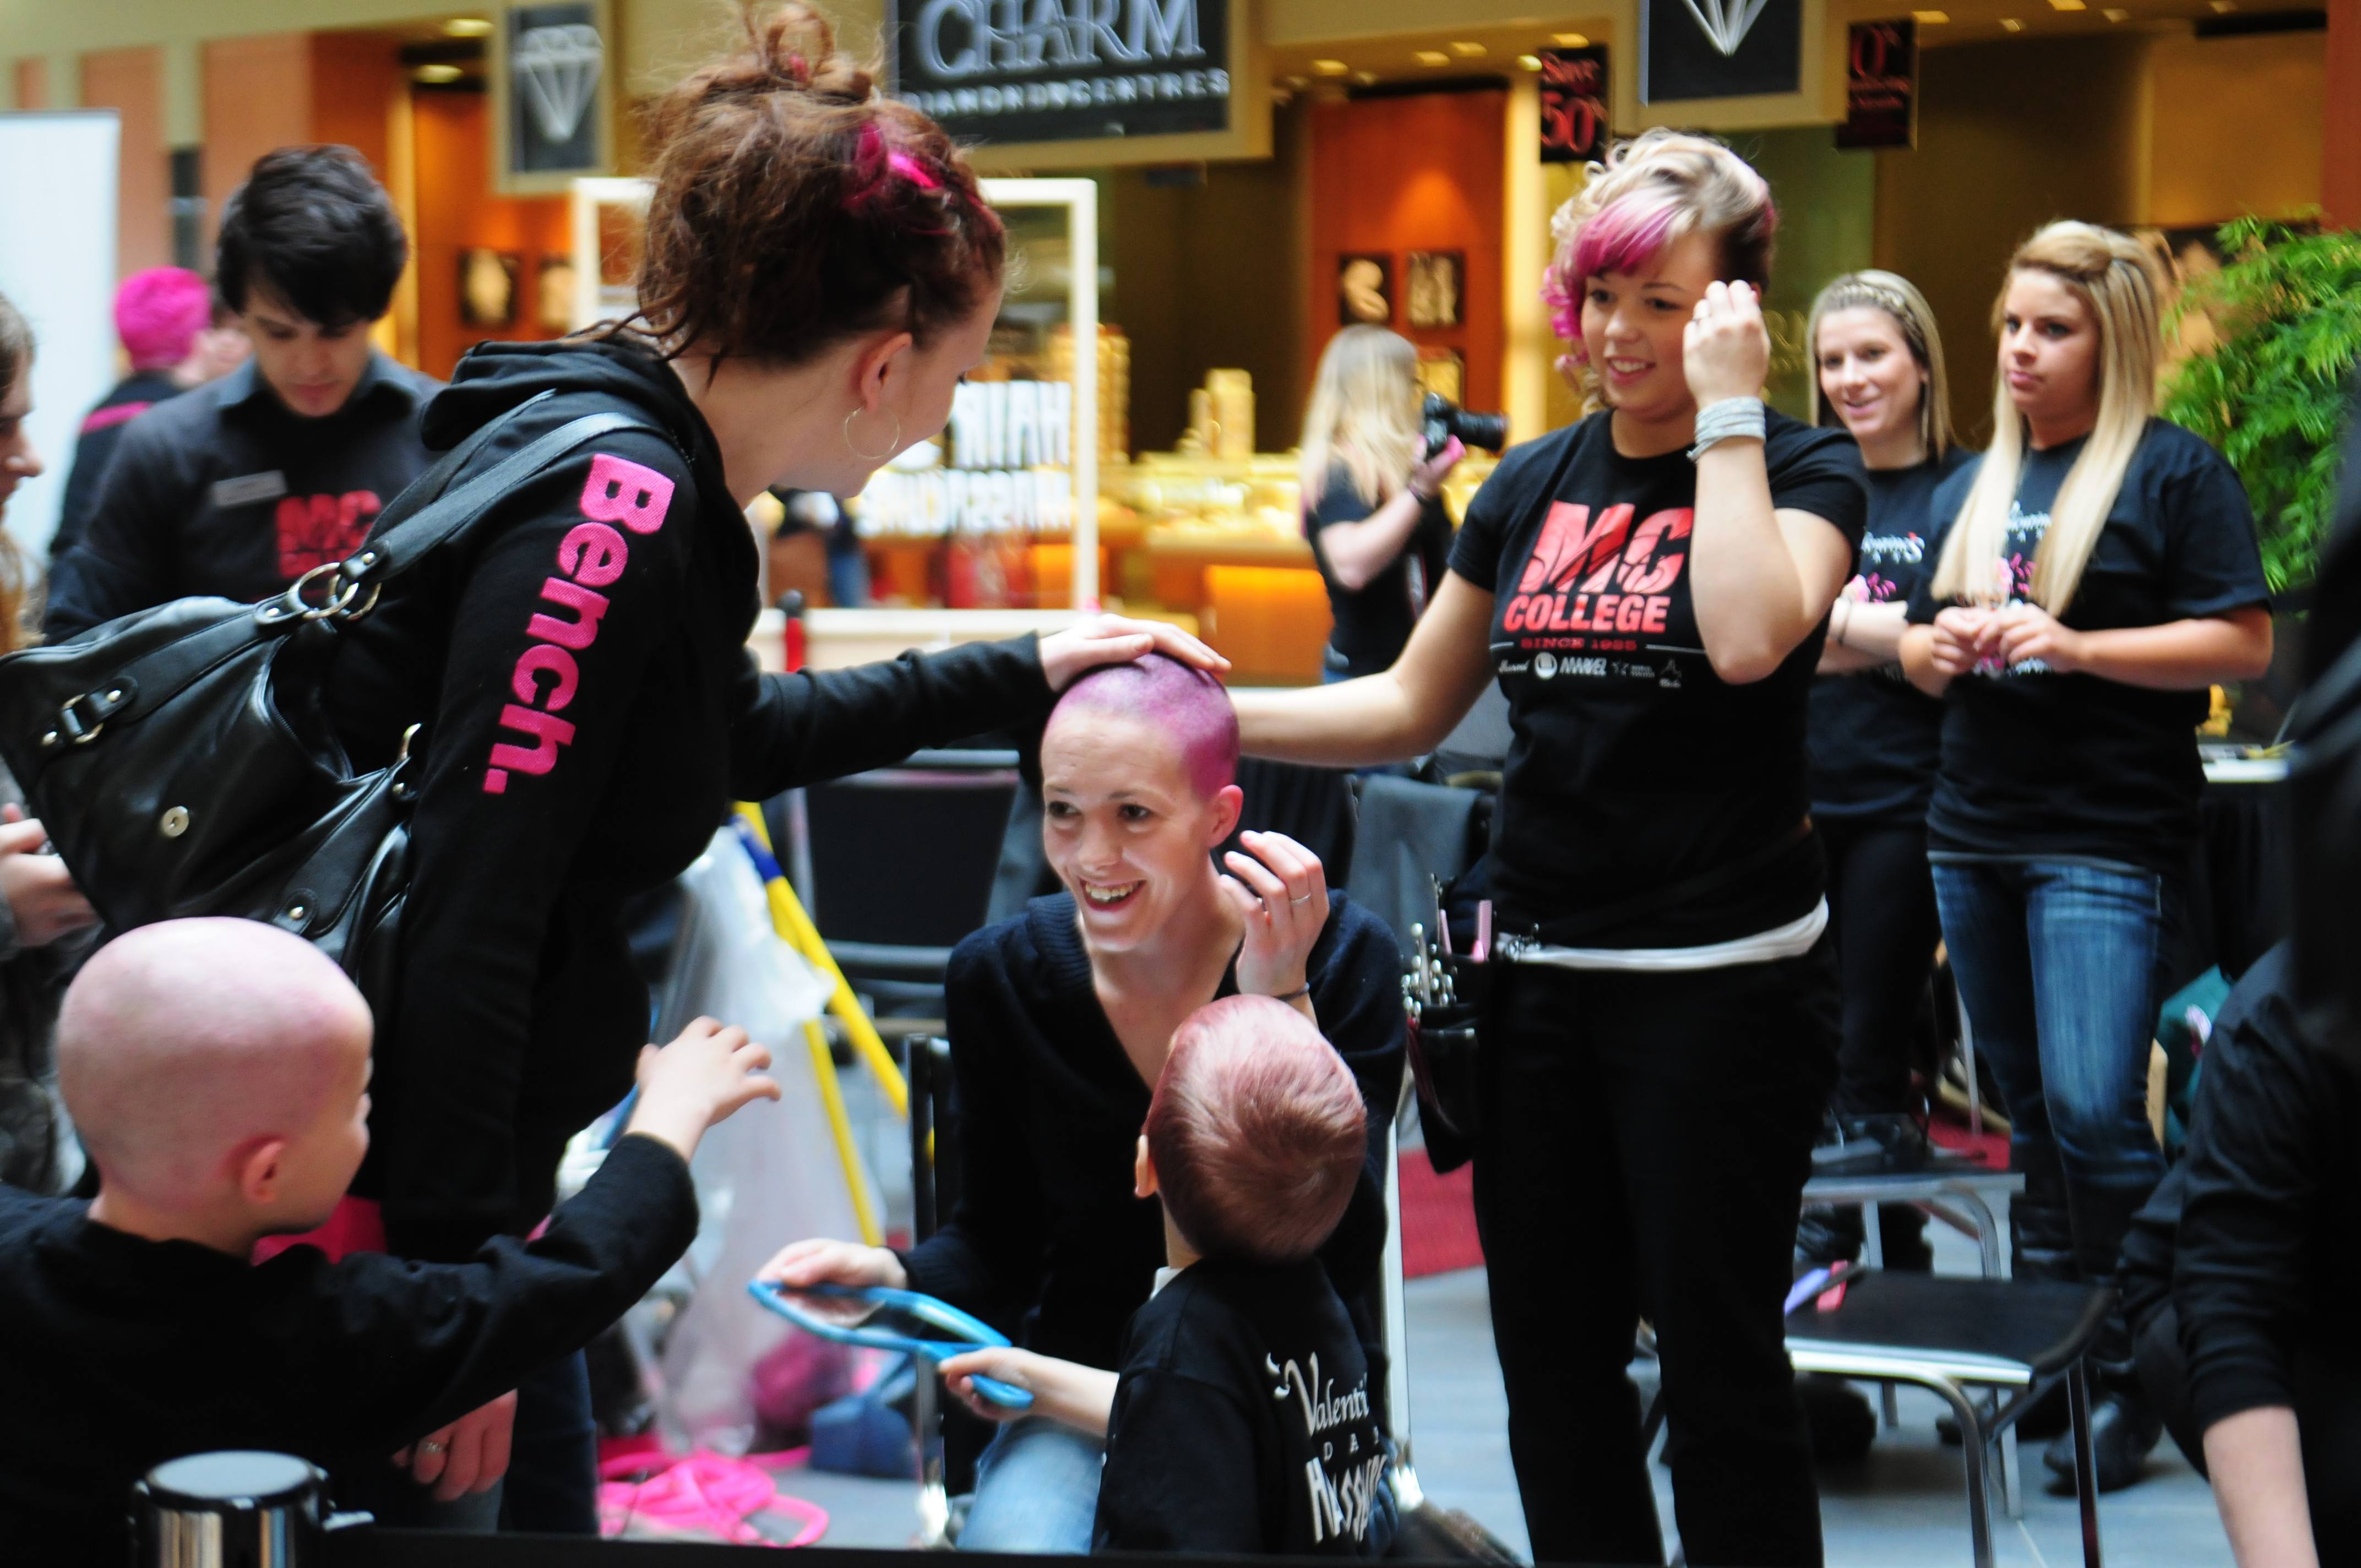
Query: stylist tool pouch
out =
(1448, 988)
(179, 758)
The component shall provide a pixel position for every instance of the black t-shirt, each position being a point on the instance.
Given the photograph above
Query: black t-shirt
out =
(1874, 737)
(2037, 764)
(1373, 622)
(1632, 765)
(1244, 1421)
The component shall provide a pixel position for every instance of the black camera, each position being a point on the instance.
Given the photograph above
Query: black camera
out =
(1441, 419)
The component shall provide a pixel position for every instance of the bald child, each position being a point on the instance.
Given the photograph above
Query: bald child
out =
(218, 1072)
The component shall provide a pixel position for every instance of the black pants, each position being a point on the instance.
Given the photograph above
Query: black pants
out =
(1882, 904)
(1644, 1143)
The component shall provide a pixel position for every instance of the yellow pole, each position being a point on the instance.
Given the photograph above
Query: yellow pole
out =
(796, 926)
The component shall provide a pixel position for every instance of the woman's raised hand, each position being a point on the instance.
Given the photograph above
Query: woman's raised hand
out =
(803, 1265)
(1281, 896)
(1426, 479)
(1117, 639)
(1725, 352)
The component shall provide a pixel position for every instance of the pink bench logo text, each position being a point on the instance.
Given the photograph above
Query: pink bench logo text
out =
(590, 557)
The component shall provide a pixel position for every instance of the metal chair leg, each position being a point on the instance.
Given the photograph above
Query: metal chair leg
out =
(2086, 1464)
(2012, 1484)
(1973, 1446)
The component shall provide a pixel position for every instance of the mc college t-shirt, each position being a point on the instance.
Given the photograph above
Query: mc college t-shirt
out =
(1633, 766)
(2040, 764)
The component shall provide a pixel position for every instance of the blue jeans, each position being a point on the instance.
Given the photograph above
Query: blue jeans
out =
(2060, 966)
(1036, 1491)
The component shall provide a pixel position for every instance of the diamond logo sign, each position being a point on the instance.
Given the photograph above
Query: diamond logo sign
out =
(1726, 22)
(558, 75)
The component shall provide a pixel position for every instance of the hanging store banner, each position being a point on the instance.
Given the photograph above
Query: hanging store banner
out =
(1573, 104)
(1720, 49)
(551, 94)
(1042, 71)
(1881, 85)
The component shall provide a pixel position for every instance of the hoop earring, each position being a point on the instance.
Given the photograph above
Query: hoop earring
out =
(892, 445)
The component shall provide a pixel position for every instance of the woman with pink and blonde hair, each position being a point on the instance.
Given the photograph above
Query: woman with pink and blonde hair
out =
(1650, 588)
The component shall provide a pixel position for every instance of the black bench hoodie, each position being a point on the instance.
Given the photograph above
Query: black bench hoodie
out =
(590, 710)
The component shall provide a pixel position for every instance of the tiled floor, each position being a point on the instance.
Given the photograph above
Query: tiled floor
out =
(1903, 1506)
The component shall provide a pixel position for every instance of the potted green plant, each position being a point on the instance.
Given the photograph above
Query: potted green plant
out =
(2269, 392)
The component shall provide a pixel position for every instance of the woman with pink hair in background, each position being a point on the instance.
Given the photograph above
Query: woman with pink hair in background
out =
(177, 337)
(1650, 588)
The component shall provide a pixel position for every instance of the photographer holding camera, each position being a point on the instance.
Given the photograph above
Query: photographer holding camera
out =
(1373, 494)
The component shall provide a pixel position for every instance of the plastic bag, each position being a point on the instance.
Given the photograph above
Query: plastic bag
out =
(768, 1175)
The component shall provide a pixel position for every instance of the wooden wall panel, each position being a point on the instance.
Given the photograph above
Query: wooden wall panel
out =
(355, 77)
(32, 74)
(457, 210)
(131, 82)
(2340, 181)
(1419, 173)
(257, 96)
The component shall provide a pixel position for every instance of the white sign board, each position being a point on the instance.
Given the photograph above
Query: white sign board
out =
(57, 267)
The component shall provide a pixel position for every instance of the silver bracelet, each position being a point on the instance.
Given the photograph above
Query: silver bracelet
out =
(1731, 418)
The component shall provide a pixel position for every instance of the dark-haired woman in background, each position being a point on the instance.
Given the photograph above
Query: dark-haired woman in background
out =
(819, 271)
(1878, 372)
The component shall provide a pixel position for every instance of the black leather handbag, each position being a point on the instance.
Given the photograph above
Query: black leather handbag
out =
(182, 761)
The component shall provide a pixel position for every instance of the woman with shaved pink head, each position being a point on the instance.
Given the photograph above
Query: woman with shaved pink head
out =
(1651, 588)
(1059, 1022)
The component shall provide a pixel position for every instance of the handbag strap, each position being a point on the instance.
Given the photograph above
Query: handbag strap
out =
(417, 536)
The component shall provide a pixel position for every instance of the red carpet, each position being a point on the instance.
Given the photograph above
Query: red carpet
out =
(1438, 1218)
(1951, 1132)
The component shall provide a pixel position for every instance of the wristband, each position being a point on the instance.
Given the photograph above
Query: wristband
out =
(1298, 995)
(1728, 419)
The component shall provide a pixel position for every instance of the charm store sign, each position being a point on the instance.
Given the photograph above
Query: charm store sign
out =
(1026, 70)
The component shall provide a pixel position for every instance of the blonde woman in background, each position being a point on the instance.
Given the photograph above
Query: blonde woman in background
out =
(1878, 373)
(1372, 499)
(2097, 571)
(40, 908)
(1649, 588)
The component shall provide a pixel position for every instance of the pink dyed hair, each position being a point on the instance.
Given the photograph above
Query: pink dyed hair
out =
(1257, 1131)
(1186, 704)
(1651, 191)
(158, 314)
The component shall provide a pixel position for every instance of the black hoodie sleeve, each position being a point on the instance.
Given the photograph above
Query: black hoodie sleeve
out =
(825, 724)
(551, 641)
(396, 1349)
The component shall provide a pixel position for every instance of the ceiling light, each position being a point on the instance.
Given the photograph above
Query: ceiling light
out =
(467, 27)
(1430, 57)
(436, 75)
(2069, 6)
(1329, 68)
(1296, 83)
(2011, 24)
(1365, 78)
(1930, 18)
(1569, 40)
(1530, 61)
(2224, 7)
(2113, 15)
(1470, 51)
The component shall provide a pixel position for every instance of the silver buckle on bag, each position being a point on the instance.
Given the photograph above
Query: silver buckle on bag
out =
(347, 603)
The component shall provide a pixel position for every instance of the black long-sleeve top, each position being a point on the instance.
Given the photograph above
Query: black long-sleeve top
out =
(2266, 1246)
(590, 710)
(117, 1353)
(1046, 1234)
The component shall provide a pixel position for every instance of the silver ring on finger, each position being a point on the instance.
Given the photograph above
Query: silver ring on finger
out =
(1304, 899)
(428, 1445)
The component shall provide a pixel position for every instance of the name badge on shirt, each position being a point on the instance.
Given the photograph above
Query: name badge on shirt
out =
(248, 489)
